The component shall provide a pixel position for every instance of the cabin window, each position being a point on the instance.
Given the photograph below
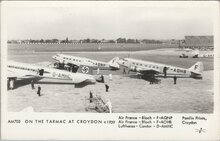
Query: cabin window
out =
(184, 71)
(174, 70)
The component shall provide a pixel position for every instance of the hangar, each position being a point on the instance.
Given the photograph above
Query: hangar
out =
(198, 42)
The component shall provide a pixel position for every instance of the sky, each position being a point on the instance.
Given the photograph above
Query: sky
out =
(107, 22)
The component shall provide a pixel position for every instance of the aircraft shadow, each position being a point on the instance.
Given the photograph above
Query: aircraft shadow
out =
(83, 84)
(150, 79)
(21, 83)
(80, 85)
(52, 83)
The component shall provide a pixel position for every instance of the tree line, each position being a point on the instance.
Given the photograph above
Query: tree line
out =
(88, 40)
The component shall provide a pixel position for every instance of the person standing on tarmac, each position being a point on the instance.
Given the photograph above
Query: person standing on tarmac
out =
(90, 97)
(174, 79)
(38, 90)
(110, 77)
(165, 71)
(106, 87)
(11, 84)
(32, 84)
(102, 79)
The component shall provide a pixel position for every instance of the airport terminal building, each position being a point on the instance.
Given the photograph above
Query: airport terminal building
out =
(198, 42)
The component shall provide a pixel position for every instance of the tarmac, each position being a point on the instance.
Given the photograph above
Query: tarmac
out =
(127, 93)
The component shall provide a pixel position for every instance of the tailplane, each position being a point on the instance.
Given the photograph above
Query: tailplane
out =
(85, 70)
(114, 63)
(197, 70)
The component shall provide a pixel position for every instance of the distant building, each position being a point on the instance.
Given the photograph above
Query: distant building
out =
(172, 41)
(74, 41)
(198, 42)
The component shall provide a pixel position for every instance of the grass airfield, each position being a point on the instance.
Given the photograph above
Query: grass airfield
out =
(127, 93)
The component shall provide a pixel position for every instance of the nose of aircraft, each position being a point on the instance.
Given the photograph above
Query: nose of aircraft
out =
(54, 57)
(91, 79)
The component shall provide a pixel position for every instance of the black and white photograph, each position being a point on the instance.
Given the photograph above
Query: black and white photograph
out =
(110, 58)
(120, 59)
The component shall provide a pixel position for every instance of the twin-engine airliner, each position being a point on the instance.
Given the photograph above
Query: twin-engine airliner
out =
(18, 71)
(148, 68)
(77, 61)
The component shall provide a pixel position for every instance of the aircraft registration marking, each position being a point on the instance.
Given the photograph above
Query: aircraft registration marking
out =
(61, 75)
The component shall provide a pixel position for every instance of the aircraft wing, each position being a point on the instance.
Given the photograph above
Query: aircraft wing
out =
(19, 76)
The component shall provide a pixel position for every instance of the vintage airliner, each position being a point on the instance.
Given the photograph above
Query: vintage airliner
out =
(147, 68)
(18, 71)
(197, 54)
(77, 61)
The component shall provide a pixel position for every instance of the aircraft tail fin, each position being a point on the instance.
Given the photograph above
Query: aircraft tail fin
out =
(197, 70)
(85, 70)
(114, 63)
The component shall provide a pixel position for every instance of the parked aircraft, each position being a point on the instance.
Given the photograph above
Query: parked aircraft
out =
(19, 71)
(147, 68)
(197, 54)
(77, 61)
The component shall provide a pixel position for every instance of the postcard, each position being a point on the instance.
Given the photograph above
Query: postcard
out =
(110, 70)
